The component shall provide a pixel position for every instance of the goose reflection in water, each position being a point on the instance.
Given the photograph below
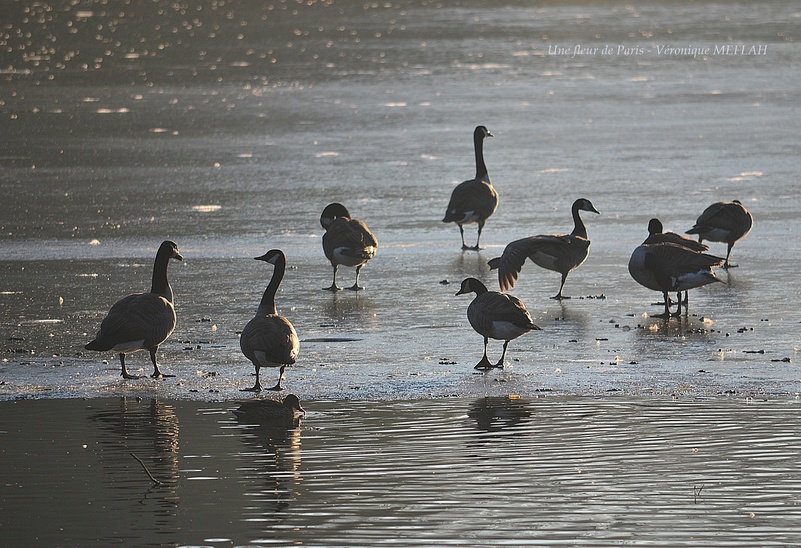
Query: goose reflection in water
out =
(500, 416)
(150, 432)
(272, 436)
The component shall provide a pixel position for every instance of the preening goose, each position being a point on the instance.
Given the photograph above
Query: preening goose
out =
(144, 320)
(657, 236)
(346, 242)
(669, 267)
(269, 411)
(495, 315)
(723, 222)
(561, 253)
(473, 201)
(269, 340)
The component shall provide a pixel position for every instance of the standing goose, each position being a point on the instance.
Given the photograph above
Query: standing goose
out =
(473, 201)
(723, 222)
(561, 253)
(657, 236)
(269, 340)
(497, 315)
(346, 242)
(144, 320)
(669, 267)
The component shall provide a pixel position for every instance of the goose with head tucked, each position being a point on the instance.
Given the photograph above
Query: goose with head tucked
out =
(473, 201)
(561, 253)
(141, 321)
(270, 411)
(667, 267)
(495, 315)
(269, 339)
(723, 222)
(656, 235)
(346, 242)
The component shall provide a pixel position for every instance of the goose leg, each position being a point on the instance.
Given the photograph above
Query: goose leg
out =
(500, 363)
(677, 314)
(461, 233)
(665, 314)
(278, 386)
(356, 286)
(157, 374)
(484, 364)
(125, 374)
(333, 286)
(478, 238)
(559, 295)
(257, 386)
(726, 264)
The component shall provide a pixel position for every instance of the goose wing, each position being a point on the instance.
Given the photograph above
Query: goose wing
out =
(724, 215)
(675, 260)
(678, 239)
(471, 201)
(668, 267)
(270, 339)
(559, 252)
(143, 317)
(350, 237)
(491, 307)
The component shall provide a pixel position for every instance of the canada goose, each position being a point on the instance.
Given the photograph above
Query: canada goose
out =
(657, 236)
(269, 411)
(346, 242)
(473, 201)
(497, 315)
(670, 267)
(269, 340)
(562, 253)
(723, 222)
(144, 320)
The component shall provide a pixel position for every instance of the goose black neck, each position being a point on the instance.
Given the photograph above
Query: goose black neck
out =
(267, 304)
(578, 225)
(481, 167)
(160, 285)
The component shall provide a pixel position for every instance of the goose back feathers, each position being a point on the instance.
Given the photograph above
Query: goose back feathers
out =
(561, 253)
(475, 200)
(346, 242)
(725, 222)
(141, 321)
(269, 339)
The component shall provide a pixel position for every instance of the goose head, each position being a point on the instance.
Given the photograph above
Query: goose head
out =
(583, 204)
(472, 285)
(292, 402)
(331, 212)
(271, 256)
(482, 132)
(654, 227)
(170, 250)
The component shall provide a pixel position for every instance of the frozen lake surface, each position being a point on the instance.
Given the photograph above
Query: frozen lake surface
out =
(228, 127)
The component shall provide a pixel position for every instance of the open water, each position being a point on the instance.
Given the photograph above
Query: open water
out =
(227, 126)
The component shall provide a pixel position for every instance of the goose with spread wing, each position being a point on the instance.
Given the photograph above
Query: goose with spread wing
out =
(561, 253)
